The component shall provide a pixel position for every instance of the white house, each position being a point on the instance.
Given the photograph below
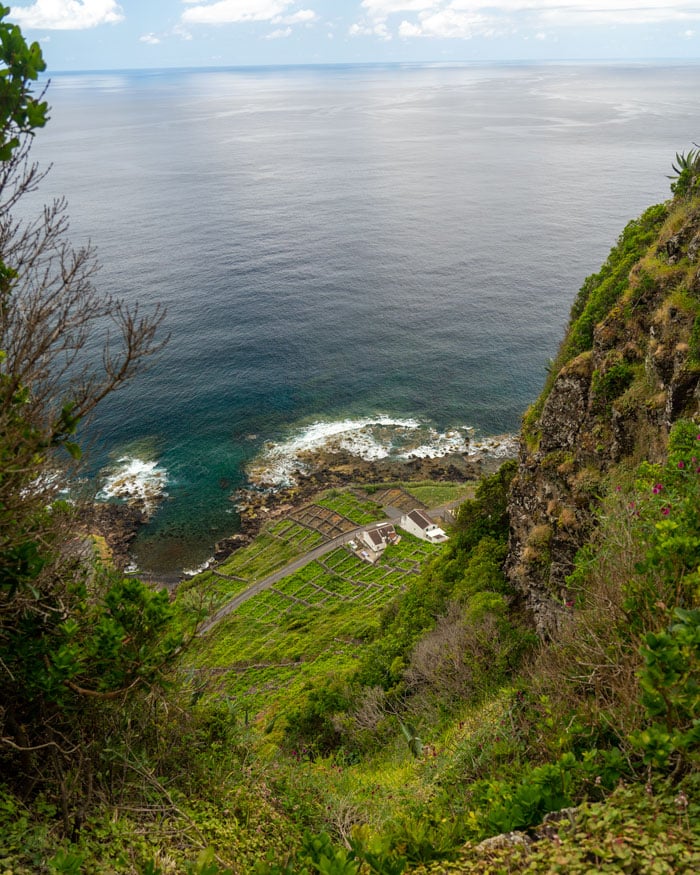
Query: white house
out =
(374, 541)
(418, 524)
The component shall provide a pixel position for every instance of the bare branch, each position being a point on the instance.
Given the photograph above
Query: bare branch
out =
(10, 743)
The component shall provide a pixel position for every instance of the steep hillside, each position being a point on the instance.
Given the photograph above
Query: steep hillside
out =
(628, 368)
(350, 718)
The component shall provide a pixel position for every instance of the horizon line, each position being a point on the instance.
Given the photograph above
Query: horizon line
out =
(335, 64)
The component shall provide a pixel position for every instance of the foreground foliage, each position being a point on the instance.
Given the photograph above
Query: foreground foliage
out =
(79, 646)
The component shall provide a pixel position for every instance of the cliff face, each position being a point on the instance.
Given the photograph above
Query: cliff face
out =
(629, 366)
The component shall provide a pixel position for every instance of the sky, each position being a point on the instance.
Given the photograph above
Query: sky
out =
(124, 34)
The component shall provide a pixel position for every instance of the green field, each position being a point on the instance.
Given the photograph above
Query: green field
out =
(437, 494)
(360, 511)
(314, 621)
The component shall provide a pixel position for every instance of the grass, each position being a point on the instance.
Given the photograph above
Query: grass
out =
(309, 624)
(265, 555)
(295, 535)
(436, 494)
(360, 511)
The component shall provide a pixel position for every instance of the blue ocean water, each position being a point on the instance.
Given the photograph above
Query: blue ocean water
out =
(337, 243)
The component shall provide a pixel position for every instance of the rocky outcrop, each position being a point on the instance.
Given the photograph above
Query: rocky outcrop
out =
(118, 524)
(615, 401)
(328, 470)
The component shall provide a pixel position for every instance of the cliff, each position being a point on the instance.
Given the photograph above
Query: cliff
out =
(628, 367)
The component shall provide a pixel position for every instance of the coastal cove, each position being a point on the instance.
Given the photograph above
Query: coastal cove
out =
(342, 244)
(295, 482)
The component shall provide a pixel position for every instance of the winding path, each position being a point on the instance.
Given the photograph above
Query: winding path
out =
(266, 582)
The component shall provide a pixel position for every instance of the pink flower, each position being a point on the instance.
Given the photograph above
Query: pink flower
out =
(681, 464)
(665, 511)
(657, 488)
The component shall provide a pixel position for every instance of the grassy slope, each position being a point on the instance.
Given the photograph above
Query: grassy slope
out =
(605, 719)
(578, 721)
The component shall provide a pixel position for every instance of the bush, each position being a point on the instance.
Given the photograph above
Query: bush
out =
(310, 730)
(610, 383)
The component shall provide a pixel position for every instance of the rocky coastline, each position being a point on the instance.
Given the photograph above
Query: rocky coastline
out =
(320, 470)
(118, 524)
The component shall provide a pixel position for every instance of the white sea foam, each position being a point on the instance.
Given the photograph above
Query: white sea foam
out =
(371, 439)
(501, 446)
(136, 481)
(193, 572)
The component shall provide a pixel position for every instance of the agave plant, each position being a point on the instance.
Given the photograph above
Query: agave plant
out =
(415, 745)
(685, 167)
(689, 161)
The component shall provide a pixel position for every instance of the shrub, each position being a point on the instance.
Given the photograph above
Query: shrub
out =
(670, 683)
(610, 383)
(687, 172)
(310, 729)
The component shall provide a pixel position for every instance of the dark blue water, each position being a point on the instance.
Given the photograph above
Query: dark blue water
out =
(343, 242)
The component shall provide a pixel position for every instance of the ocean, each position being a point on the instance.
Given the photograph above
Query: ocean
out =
(384, 255)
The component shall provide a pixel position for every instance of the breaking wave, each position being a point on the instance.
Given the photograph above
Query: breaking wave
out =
(371, 439)
(136, 481)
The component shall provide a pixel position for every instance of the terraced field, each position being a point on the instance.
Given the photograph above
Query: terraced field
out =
(315, 619)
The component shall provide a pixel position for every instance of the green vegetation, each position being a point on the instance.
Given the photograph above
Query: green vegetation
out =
(599, 293)
(438, 494)
(686, 172)
(608, 385)
(353, 508)
(79, 647)
(351, 718)
(267, 650)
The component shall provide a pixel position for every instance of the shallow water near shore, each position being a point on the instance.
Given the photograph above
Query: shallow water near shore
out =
(343, 245)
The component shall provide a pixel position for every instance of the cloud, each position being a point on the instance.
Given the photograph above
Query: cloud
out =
(378, 28)
(385, 8)
(181, 31)
(450, 24)
(150, 38)
(280, 33)
(67, 14)
(464, 19)
(235, 11)
(590, 13)
(303, 16)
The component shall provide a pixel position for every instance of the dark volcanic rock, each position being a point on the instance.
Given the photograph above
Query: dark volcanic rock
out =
(566, 407)
(224, 548)
(328, 470)
(118, 524)
(588, 423)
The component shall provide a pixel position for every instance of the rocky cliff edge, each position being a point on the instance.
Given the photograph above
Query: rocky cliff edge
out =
(628, 367)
